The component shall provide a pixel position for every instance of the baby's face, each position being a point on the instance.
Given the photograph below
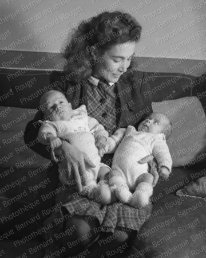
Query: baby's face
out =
(155, 123)
(56, 107)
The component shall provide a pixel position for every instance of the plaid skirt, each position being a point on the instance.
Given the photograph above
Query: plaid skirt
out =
(110, 217)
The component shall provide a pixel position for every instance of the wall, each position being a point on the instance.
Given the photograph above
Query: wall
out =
(171, 28)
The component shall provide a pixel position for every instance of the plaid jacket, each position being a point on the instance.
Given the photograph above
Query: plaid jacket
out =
(131, 91)
(133, 98)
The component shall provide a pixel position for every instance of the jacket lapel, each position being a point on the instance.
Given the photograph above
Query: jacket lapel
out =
(131, 98)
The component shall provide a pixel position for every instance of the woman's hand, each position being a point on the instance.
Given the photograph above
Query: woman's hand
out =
(152, 167)
(76, 163)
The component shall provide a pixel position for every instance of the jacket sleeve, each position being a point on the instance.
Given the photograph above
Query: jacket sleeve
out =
(32, 128)
(31, 136)
(162, 154)
(134, 104)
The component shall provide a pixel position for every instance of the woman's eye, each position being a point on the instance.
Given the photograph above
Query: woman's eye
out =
(53, 107)
(116, 60)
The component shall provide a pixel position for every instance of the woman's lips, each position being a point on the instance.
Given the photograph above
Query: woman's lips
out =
(116, 76)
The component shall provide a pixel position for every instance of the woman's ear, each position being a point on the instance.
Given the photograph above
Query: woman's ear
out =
(94, 53)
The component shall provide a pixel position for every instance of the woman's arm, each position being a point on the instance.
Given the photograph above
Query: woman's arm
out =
(57, 82)
(31, 136)
(76, 160)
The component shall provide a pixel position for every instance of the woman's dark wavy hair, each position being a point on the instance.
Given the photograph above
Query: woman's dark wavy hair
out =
(100, 32)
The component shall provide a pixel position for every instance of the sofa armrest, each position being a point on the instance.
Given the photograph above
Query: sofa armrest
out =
(199, 90)
(166, 86)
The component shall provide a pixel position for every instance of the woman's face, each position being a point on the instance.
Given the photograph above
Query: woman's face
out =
(115, 61)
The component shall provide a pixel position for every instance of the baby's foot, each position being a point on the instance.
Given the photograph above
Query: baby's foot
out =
(103, 193)
(123, 194)
(139, 200)
(89, 190)
(141, 196)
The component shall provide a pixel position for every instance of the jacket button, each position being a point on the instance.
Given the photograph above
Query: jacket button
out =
(104, 115)
(102, 100)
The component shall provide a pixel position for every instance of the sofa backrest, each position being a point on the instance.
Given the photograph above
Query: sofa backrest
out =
(23, 88)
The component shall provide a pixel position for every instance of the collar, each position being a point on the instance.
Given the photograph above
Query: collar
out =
(95, 81)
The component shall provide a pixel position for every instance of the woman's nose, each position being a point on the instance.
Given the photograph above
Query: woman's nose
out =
(123, 67)
(56, 106)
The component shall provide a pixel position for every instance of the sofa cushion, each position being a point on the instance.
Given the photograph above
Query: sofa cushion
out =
(32, 249)
(24, 194)
(187, 142)
(14, 152)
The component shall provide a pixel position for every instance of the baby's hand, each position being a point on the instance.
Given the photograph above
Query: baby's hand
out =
(164, 173)
(101, 143)
(55, 142)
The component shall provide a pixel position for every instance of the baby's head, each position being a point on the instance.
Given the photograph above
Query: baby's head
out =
(55, 106)
(156, 123)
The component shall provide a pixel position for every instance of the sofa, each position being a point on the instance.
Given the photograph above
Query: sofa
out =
(29, 182)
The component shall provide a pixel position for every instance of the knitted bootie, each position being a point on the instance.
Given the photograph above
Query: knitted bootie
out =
(141, 196)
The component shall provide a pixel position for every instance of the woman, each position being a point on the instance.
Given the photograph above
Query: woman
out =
(99, 74)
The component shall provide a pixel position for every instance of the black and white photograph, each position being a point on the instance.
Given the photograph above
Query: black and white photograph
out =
(102, 128)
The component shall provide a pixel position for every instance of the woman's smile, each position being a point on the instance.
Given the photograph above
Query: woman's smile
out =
(115, 61)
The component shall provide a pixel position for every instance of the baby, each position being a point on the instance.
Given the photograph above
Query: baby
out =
(130, 181)
(62, 122)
